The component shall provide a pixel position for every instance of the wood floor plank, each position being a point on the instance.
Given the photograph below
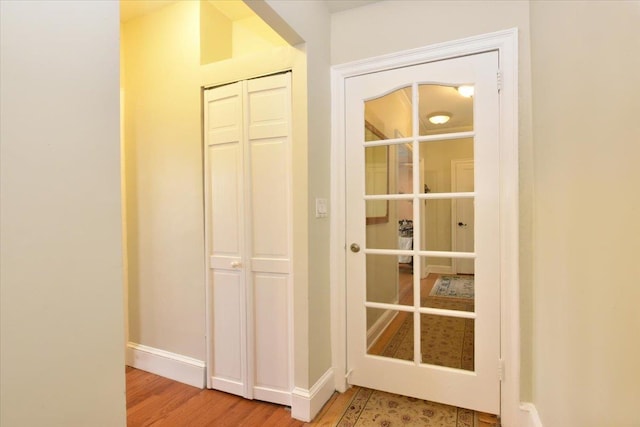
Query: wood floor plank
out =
(334, 408)
(207, 408)
(159, 406)
(156, 401)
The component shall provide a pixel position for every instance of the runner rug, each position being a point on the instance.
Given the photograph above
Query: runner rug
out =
(377, 408)
(453, 286)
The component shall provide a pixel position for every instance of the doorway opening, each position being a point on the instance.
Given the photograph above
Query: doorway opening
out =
(506, 364)
(170, 50)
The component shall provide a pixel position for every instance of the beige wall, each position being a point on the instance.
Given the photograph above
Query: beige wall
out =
(163, 159)
(586, 100)
(215, 34)
(61, 269)
(391, 26)
(252, 35)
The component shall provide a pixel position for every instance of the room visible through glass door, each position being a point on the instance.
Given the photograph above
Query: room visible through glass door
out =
(422, 220)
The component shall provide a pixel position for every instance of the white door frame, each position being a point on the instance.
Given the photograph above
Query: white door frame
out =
(506, 43)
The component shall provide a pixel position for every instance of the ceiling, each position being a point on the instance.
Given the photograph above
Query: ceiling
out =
(233, 9)
(434, 98)
(340, 5)
(130, 9)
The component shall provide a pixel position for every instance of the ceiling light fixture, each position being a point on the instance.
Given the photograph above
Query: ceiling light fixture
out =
(466, 91)
(439, 118)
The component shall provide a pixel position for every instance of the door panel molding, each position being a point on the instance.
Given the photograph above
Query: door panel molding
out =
(505, 42)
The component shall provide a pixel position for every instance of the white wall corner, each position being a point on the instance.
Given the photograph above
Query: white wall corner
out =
(166, 364)
(305, 404)
(529, 415)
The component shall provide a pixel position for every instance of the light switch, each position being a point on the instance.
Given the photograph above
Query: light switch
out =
(321, 208)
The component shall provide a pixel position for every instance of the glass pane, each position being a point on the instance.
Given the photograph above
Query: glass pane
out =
(376, 166)
(390, 279)
(447, 341)
(445, 109)
(388, 169)
(448, 291)
(388, 116)
(389, 234)
(448, 166)
(447, 225)
(394, 339)
(436, 225)
(404, 169)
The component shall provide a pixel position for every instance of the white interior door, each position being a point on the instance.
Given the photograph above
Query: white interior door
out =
(400, 102)
(248, 204)
(226, 236)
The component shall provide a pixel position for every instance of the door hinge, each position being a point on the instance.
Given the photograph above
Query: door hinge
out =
(348, 374)
(500, 370)
(499, 79)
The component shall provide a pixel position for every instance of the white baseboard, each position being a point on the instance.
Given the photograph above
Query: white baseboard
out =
(166, 364)
(272, 395)
(529, 415)
(438, 269)
(226, 385)
(305, 404)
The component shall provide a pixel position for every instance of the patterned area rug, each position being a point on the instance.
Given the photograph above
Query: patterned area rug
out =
(445, 341)
(453, 286)
(377, 408)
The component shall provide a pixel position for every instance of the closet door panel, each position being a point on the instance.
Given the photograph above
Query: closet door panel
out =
(269, 179)
(227, 371)
(227, 281)
(224, 157)
(269, 111)
(270, 174)
(226, 202)
(224, 114)
(271, 325)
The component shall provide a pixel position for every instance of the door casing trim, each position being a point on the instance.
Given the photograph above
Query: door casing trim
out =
(506, 43)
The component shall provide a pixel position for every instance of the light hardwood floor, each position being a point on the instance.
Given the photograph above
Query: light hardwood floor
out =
(157, 401)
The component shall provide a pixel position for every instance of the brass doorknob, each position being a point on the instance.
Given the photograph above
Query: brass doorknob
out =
(355, 247)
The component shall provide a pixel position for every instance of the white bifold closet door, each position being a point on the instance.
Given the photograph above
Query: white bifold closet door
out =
(248, 225)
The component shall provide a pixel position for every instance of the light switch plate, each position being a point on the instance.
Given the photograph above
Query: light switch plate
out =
(321, 208)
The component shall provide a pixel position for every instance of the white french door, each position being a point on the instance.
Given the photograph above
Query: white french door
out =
(417, 343)
(248, 237)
